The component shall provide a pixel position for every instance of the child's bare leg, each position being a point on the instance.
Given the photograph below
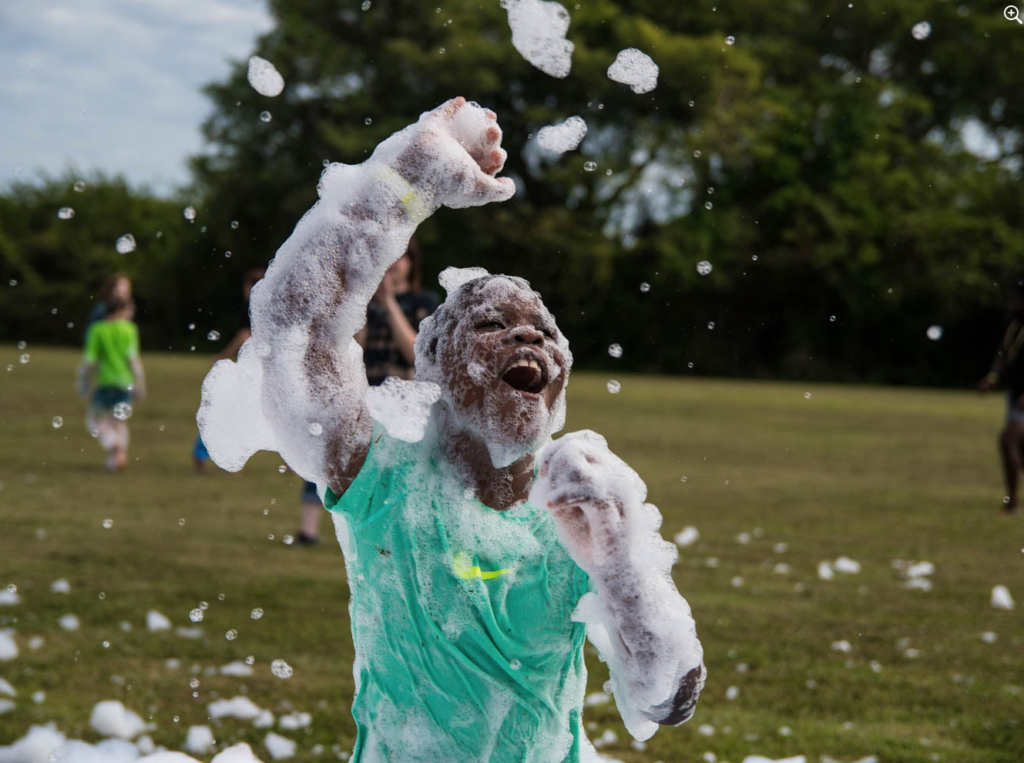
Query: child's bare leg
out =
(310, 525)
(1011, 440)
(121, 446)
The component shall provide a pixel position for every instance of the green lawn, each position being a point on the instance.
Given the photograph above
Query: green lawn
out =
(873, 474)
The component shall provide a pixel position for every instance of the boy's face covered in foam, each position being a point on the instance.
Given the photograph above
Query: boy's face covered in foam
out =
(504, 368)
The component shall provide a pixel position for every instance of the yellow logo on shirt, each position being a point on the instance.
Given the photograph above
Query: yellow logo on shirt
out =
(465, 569)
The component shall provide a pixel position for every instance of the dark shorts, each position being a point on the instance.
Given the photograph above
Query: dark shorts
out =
(309, 493)
(105, 398)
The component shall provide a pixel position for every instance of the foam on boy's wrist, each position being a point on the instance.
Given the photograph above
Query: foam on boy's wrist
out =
(402, 190)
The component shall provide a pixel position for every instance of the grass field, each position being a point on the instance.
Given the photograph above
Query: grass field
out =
(873, 474)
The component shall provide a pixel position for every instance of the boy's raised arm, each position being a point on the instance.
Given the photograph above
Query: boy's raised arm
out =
(636, 617)
(313, 300)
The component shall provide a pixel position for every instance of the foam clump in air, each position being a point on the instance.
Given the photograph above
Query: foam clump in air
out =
(635, 68)
(538, 33)
(608, 529)
(111, 718)
(403, 407)
(452, 279)
(155, 621)
(562, 137)
(264, 77)
(1001, 598)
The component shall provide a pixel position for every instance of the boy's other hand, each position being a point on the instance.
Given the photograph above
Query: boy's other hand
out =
(454, 156)
(591, 493)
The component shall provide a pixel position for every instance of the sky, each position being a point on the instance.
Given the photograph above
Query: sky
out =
(114, 84)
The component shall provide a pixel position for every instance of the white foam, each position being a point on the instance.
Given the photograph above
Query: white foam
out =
(294, 721)
(34, 747)
(620, 547)
(60, 586)
(846, 565)
(562, 137)
(403, 407)
(8, 646)
(1001, 598)
(239, 753)
(687, 536)
(264, 77)
(198, 740)
(156, 621)
(919, 569)
(237, 707)
(278, 746)
(111, 718)
(762, 759)
(825, 571)
(6, 705)
(452, 279)
(538, 33)
(8, 597)
(635, 68)
(236, 668)
(6, 688)
(264, 720)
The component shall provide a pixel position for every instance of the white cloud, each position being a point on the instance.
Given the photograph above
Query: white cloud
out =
(115, 84)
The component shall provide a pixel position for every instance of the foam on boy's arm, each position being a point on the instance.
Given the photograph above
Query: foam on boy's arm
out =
(299, 385)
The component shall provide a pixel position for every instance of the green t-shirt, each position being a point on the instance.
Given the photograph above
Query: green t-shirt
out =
(466, 651)
(111, 344)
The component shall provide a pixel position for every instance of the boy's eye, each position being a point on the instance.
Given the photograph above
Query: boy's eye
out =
(490, 325)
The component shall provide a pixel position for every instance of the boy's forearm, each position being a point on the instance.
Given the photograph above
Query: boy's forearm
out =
(635, 600)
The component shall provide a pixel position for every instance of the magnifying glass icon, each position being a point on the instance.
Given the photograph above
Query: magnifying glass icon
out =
(1012, 14)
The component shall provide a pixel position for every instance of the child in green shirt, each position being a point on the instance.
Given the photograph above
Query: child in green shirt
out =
(111, 375)
(480, 553)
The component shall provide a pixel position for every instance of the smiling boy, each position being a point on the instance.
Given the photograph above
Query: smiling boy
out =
(481, 555)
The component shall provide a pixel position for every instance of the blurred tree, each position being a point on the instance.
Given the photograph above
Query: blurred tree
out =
(814, 154)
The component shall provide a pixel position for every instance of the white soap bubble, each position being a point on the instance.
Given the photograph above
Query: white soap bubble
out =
(22, 344)
(366, 5)
(79, 186)
(708, 205)
(614, 386)
(24, 358)
(234, 225)
(921, 30)
(213, 336)
(562, 137)
(189, 213)
(635, 68)
(265, 116)
(57, 422)
(65, 213)
(282, 469)
(107, 523)
(704, 267)
(231, 635)
(645, 287)
(590, 166)
(257, 613)
(288, 540)
(281, 669)
(538, 33)
(264, 77)
(711, 325)
(122, 411)
(316, 429)
(196, 615)
(807, 396)
(934, 333)
(730, 40)
(615, 350)
(125, 244)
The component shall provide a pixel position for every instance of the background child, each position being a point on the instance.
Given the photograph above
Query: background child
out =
(112, 372)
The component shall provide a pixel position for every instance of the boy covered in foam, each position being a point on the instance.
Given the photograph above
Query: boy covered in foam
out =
(480, 553)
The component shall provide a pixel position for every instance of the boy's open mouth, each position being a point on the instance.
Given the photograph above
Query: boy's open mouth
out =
(526, 372)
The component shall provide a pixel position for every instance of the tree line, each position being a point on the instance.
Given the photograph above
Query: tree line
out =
(814, 155)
